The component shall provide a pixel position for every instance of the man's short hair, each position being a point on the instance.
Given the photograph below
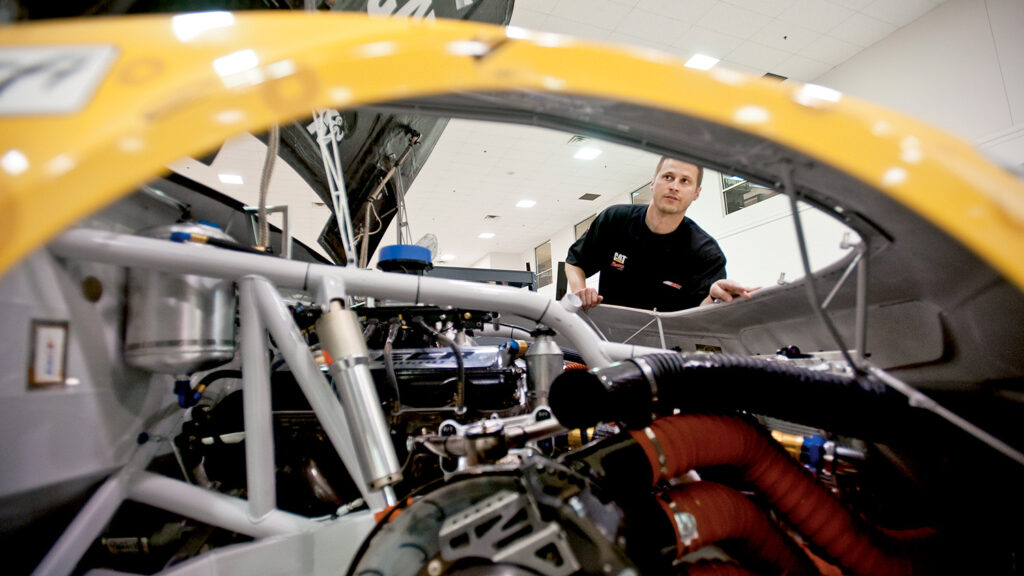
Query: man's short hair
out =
(700, 169)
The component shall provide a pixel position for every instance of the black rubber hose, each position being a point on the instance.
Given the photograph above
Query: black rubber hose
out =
(217, 375)
(721, 382)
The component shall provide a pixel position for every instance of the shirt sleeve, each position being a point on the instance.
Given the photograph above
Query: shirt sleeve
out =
(585, 251)
(712, 268)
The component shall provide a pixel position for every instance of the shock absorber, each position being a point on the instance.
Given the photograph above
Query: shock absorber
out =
(342, 338)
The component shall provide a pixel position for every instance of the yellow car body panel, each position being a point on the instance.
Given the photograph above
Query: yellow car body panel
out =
(163, 99)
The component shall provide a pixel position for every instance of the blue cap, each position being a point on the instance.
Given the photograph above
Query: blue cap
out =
(408, 252)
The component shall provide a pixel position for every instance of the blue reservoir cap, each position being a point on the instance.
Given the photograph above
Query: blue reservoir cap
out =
(180, 236)
(407, 252)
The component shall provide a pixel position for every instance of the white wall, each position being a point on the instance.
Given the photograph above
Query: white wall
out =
(959, 67)
(561, 240)
(501, 261)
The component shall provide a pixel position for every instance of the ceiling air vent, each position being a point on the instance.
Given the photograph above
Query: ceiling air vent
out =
(577, 139)
(775, 77)
(491, 217)
(590, 197)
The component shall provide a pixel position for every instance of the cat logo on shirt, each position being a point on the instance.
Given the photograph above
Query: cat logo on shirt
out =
(619, 261)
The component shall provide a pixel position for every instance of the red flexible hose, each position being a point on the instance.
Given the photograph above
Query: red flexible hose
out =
(692, 441)
(716, 569)
(721, 513)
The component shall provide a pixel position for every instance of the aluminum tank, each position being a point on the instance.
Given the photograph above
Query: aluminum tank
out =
(179, 324)
(544, 362)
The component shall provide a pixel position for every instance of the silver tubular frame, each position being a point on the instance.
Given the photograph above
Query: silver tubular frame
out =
(262, 311)
(256, 409)
(135, 251)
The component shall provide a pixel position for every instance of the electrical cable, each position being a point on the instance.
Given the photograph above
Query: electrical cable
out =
(809, 283)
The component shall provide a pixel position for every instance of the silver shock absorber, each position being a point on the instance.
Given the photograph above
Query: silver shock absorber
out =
(342, 338)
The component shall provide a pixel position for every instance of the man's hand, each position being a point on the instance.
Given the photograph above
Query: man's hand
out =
(577, 282)
(589, 298)
(727, 290)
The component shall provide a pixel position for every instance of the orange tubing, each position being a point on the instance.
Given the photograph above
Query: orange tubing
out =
(693, 441)
(715, 569)
(722, 513)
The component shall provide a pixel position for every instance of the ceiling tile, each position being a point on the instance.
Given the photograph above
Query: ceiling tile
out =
(898, 13)
(599, 13)
(574, 28)
(706, 41)
(626, 3)
(801, 69)
(687, 10)
(635, 41)
(831, 50)
(738, 67)
(785, 36)
(851, 4)
(652, 27)
(767, 7)
(862, 30)
(817, 15)
(545, 6)
(732, 20)
(528, 18)
(757, 56)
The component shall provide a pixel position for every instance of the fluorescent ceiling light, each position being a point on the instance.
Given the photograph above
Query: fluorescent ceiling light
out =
(446, 257)
(230, 178)
(588, 153)
(701, 62)
(526, 204)
(486, 235)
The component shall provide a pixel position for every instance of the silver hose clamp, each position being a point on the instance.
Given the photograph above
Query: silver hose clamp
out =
(662, 460)
(686, 524)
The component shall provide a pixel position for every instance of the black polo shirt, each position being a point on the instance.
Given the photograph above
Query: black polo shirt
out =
(641, 269)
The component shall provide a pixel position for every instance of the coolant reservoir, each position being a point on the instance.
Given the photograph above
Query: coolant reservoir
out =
(179, 324)
(544, 362)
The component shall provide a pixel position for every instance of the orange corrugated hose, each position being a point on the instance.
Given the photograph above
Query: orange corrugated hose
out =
(575, 366)
(721, 513)
(692, 441)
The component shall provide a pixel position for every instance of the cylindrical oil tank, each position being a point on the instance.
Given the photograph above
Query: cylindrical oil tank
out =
(544, 362)
(179, 324)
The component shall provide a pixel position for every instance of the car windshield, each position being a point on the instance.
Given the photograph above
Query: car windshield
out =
(492, 195)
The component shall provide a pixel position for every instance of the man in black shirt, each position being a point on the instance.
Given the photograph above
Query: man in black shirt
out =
(653, 256)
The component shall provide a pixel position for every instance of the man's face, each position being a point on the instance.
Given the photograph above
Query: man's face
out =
(674, 187)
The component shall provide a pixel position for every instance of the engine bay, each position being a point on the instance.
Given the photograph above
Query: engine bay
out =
(471, 441)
